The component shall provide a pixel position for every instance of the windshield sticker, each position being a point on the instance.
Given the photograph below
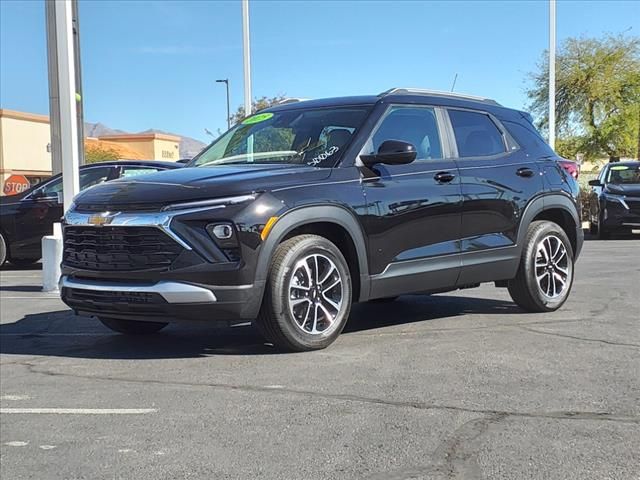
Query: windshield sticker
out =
(261, 117)
(323, 156)
(620, 167)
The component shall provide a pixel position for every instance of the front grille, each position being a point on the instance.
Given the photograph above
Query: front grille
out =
(105, 298)
(118, 248)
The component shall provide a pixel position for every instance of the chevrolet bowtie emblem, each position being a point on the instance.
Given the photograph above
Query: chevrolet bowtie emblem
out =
(102, 219)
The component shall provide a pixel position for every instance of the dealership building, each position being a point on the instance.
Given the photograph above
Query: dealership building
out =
(25, 146)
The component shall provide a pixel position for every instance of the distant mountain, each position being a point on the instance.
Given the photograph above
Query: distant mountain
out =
(189, 147)
(99, 129)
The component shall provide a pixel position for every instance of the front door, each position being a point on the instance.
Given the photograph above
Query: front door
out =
(413, 211)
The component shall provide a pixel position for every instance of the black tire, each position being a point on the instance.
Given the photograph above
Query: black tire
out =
(3, 250)
(602, 233)
(593, 228)
(23, 262)
(276, 319)
(525, 290)
(132, 327)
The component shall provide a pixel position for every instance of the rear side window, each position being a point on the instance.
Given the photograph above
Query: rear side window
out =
(476, 134)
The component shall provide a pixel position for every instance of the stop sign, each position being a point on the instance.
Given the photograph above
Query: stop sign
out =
(16, 184)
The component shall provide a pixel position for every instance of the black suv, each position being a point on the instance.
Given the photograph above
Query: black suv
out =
(306, 207)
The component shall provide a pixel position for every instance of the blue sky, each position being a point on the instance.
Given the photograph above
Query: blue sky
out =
(153, 64)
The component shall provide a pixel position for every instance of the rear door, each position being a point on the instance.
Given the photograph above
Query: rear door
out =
(497, 179)
(413, 220)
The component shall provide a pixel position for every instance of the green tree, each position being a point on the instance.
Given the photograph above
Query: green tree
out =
(597, 95)
(256, 105)
(96, 153)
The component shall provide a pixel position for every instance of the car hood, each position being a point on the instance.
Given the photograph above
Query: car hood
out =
(196, 183)
(629, 190)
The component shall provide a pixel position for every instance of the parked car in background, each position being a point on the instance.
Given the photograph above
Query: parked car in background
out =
(614, 201)
(27, 217)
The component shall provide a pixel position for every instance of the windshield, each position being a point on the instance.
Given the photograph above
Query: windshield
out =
(624, 174)
(316, 137)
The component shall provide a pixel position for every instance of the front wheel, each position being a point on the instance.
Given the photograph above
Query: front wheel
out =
(308, 295)
(545, 274)
(132, 327)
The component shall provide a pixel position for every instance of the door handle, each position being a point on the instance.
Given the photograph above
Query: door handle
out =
(444, 177)
(525, 172)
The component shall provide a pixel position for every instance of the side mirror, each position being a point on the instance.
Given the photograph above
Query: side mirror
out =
(39, 193)
(391, 152)
(595, 183)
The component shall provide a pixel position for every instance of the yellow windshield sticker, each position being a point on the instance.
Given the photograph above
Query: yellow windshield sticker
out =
(261, 117)
(620, 167)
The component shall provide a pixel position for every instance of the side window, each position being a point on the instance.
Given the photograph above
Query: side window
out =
(128, 172)
(93, 176)
(415, 125)
(88, 178)
(52, 189)
(476, 134)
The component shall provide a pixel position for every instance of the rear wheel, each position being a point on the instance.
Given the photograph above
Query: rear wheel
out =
(602, 233)
(3, 250)
(545, 274)
(308, 295)
(132, 327)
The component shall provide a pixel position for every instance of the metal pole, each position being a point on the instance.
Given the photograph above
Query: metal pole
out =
(246, 54)
(78, 78)
(552, 73)
(228, 108)
(67, 94)
(54, 99)
(226, 81)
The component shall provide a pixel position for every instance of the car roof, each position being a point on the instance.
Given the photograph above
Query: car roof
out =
(135, 163)
(400, 95)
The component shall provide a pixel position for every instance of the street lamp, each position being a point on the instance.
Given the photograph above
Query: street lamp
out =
(226, 82)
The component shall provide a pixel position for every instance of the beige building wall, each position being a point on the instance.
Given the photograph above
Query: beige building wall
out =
(25, 143)
(152, 146)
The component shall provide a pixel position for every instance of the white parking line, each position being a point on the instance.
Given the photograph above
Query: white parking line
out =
(80, 411)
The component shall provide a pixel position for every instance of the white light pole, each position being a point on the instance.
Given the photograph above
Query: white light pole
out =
(246, 54)
(64, 125)
(552, 73)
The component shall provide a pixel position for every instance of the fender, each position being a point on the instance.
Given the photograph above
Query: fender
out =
(548, 202)
(312, 214)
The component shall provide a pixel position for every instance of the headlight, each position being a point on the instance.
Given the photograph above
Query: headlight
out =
(610, 197)
(215, 202)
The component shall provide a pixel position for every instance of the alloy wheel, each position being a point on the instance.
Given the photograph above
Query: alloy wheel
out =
(316, 293)
(553, 267)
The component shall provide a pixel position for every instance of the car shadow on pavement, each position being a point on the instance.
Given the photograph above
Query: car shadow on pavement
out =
(9, 267)
(63, 334)
(21, 288)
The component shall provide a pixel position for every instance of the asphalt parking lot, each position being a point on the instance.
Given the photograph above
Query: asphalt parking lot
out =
(449, 386)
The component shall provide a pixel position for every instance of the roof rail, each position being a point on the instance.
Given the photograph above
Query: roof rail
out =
(437, 93)
(284, 101)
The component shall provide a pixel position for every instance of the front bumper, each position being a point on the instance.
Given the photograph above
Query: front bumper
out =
(169, 301)
(623, 214)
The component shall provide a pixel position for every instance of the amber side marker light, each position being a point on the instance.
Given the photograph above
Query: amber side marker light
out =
(267, 227)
